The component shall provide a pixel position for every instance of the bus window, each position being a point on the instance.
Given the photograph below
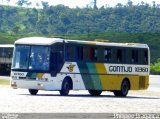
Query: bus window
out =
(69, 53)
(39, 58)
(107, 55)
(93, 54)
(119, 55)
(79, 53)
(1, 52)
(145, 57)
(21, 57)
(134, 56)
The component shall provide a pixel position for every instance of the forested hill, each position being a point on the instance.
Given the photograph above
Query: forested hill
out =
(64, 20)
(122, 23)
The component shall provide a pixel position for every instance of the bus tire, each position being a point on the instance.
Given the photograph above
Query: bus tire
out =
(125, 86)
(95, 92)
(33, 91)
(65, 88)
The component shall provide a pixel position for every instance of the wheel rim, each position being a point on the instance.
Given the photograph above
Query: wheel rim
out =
(125, 88)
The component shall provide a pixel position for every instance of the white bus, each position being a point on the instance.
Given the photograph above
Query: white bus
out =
(55, 64)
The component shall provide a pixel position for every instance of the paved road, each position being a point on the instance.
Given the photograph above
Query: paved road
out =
(19, 101)
(154, 83)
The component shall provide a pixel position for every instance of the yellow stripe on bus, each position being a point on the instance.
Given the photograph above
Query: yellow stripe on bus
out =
(40, 75)
(102, 70)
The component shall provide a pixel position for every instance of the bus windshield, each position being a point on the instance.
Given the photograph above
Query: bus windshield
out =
(31, 58)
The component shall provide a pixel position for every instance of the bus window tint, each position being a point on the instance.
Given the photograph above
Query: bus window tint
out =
(93, 54)
(21, 57)
(107, 55)
(119, 55)
(69, 53)
(79, 53)
(39, 58)
(145, 57)
(134, 56)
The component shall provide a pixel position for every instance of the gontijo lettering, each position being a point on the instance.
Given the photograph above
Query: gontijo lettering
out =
(127, 69)
(120, 69)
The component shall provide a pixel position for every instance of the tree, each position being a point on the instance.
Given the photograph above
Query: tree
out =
(37, 4)
(21, 2)
(8, 1)
(28, 3)
(130, 3)
(95, 4)
(45, 4)
(154, 4)
(119, 5)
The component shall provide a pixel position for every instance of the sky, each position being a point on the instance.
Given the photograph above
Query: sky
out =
(83, 3)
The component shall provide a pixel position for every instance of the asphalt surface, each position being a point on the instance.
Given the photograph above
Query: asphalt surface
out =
(50, 102)
(154, 83)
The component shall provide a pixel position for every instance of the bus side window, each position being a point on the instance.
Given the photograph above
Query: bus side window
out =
(107, 55)
(79, 53)
(134, 56)
(145, 57)
(119, 56)
(69, 55)
(93, 54)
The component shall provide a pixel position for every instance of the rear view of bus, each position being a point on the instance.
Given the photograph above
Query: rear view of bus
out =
(55, 64)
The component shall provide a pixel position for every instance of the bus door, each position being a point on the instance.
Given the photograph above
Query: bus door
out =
(56, 59)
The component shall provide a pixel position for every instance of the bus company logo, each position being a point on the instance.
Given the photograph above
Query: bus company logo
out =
(71, 67)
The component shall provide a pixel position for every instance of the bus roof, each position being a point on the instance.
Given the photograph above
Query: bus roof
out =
(50, 41)
(38, 41)
(109, 43)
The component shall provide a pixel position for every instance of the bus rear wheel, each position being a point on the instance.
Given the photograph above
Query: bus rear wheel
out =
(95, 92)
(124, 89)
(65, 88)
(33, 91)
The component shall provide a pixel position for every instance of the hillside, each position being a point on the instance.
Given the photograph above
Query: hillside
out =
(61, 19)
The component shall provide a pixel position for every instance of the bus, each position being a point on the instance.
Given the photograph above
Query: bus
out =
(6, 51)
(56, 64)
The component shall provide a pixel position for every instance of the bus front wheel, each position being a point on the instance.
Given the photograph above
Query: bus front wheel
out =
(95, 92)
(65, 88)
(33, 91)
(124, 89)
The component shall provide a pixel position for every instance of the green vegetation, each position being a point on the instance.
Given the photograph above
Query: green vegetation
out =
(61, 19)
(4, 82)
(155, 67)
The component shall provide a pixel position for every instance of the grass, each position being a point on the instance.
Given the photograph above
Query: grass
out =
(4, 82)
